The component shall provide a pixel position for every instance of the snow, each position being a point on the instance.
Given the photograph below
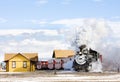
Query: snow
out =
(96, 66)
(62, 77)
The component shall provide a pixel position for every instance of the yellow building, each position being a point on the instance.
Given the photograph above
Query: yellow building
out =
(21, 62)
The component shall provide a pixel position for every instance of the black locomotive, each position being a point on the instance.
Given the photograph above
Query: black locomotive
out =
(83, 59)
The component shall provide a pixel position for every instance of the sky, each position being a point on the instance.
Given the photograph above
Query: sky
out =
(45, 25)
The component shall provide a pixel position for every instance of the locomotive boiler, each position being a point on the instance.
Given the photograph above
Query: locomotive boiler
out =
(84, 57)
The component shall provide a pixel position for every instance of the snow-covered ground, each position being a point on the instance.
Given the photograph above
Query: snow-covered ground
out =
(59, 77)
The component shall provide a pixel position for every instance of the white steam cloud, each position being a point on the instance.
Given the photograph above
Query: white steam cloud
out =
(99, 34)
(89, 31)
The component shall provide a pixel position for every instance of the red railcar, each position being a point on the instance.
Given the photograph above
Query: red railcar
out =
(55, 64)
(42, 65)
(51, 64)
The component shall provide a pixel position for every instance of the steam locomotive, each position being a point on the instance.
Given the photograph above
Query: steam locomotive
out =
(83, 59)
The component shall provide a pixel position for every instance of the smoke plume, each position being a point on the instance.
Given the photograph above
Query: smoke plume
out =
(99, 34)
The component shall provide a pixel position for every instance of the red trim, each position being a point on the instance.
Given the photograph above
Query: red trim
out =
(62, 62)
(100, 58)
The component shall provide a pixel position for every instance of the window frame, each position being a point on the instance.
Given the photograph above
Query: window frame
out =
(13, 64)
(24, 64)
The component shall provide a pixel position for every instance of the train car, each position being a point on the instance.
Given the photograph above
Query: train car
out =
(58, 64)
(42, 65)
(51, 64)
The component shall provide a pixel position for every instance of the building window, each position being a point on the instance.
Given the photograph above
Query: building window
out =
(13, 64)
(24, 64)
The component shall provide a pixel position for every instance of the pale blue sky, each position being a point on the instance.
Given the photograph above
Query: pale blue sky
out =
(45, 25)
(19, 13)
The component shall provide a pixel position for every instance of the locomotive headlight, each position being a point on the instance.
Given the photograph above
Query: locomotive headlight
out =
(80, 59)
